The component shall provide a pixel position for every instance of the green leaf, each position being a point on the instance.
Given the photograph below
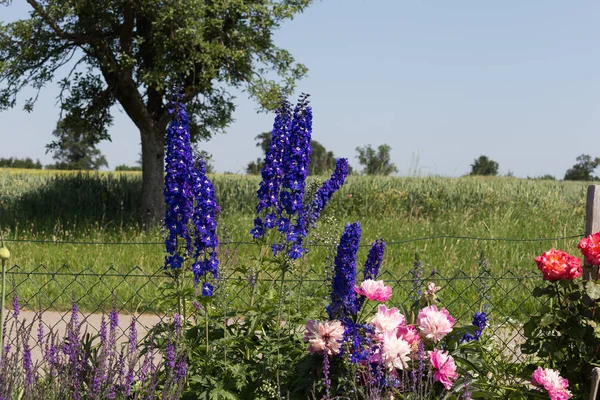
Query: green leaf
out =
(592, 289)
(546, 320)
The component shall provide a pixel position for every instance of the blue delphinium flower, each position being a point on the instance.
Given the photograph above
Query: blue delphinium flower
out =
(205, 223)
(295, 171)
(372, 266)
(343, 296)
(480, 321)
(178, 190)
(326, 191)
(272, 172)
(374, 260)
(281, 192)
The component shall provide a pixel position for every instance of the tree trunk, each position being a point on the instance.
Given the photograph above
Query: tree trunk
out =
(153, 159)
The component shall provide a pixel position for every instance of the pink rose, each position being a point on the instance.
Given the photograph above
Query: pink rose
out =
(444, 367)
(434, 324)
(324, 336)
(374, 290)
(552, 382)
(387, 319)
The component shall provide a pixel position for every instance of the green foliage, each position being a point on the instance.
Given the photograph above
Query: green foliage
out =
(24, 163)
(583, 169)
(150, 44)
(252, 350)
(484, 166)
(74, 149)
(376, 162)
(565, 333)
(322, 162)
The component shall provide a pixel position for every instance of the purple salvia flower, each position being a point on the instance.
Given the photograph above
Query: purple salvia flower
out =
(40, 331)
(177, 324)
(27, 363)
(178, 191)
(102, 332)
(181, 370)
(15, 305)
(132, 336)
(326, 378)
(326, 191)
(343, 296)
(272, 172)
(417, 279)
(170, 355)
(252, 278)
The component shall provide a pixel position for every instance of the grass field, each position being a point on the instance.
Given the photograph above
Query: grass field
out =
(44, 205)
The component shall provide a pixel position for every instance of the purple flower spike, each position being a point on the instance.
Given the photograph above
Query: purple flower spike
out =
(272, 172)
(15, 305)
(343, 296)
(374, 260)
(178, 190)
(327, 190)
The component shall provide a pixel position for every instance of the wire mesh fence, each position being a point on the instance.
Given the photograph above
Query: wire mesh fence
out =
(506, 297)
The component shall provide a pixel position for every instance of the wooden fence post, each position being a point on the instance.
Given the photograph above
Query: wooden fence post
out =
(592, 222)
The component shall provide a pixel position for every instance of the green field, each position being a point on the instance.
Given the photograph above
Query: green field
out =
(103, 208)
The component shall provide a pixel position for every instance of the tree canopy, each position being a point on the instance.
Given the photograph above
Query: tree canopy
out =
(136, 52)
(484, 166)
(73, 149)
(376, 162)
(583, 169)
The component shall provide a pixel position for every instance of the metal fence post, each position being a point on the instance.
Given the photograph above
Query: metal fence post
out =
(592, 223)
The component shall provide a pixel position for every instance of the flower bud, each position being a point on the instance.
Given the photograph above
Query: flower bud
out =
(4, 253)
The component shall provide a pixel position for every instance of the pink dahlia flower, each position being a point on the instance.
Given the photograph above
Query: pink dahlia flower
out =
(590, 247)
(434, 324)
(552, 382)
(324, 336)
(395, 351)
(374, 290)
(387, 319)
(444, 367)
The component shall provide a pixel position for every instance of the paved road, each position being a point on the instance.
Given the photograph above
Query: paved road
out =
(90, 323)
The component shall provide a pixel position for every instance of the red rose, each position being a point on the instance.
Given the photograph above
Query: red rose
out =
(556, 264)
(590, 248)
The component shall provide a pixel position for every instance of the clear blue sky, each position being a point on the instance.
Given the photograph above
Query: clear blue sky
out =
(441, 82)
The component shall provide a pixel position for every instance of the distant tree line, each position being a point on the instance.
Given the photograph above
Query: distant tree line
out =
(26, 163)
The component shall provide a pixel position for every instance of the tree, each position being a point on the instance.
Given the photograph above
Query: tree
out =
(376, 162)
(73, 149)
(583, 169)
(25, 163)
(135, 52)
(322, 162)
(484, 166)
